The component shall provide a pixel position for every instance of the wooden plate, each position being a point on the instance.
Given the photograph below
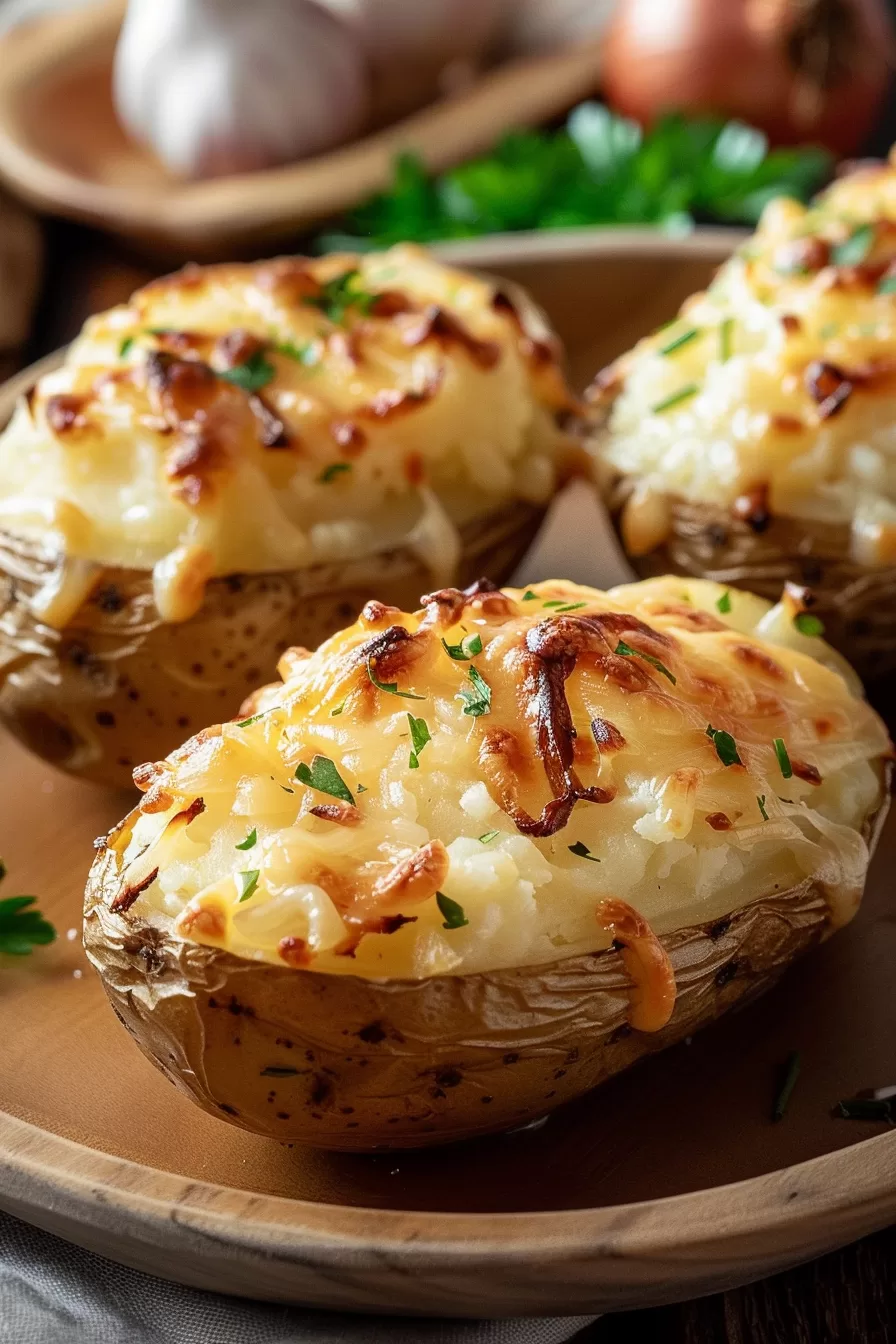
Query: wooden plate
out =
(62, 148)
(668, 1182)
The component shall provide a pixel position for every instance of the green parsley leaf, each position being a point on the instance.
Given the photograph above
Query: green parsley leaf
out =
(252, 375)
(22, 928)
(725, 745)
(808, 624)
(332, 471)
(570, 606)
(244, 723)
(478, 698)
(126, 346)
(582, 851)
(554, 602)
(785, 1092)
(452, 913)
(247, 882)
(856, 247)
(678, 341)
(488, 837)
(250, 840)
(308, 353)
(390, 687)
(529, 596)
(419, 737)
(338, 710)
(760, 798)
(676, 398)
(468, 648)
(340, 294)
(726, 327)
(887, 285)
(783, 758)
(323, 776)
(626, 651)
(723, 603)
(362, 788)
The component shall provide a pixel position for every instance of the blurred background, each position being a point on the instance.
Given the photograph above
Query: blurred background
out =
(135, 136)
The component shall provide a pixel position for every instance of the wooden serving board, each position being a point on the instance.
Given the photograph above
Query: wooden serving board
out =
(669, 1182)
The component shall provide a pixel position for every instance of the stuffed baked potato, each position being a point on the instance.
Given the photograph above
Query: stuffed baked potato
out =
(236, 460)
(753, 440)
(466, 863)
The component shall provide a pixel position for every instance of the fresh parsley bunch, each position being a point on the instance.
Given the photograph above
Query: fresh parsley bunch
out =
(21, 927)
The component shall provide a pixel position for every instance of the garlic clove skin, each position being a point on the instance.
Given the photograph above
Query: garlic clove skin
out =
(217, 87)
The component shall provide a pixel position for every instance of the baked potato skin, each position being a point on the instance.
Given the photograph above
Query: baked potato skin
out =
(854, 601)
(351, 1064)
(118, 685)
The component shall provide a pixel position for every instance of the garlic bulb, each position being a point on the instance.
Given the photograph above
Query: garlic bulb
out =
(221, 86)
(544, 25)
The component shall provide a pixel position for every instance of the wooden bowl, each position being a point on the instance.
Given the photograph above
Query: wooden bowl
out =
(62, 149)
(670, 1181)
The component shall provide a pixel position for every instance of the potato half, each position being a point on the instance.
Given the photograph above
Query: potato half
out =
(466, 863)
(752, 440)
(237, 459)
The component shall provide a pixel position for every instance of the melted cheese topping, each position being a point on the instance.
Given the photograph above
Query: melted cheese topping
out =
(263, 417)
(780, 380)
(393, 810)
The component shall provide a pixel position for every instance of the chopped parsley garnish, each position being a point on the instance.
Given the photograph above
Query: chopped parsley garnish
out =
(529, 596)
(675, 398)
(582, 851)
(791, 1073)
(308, 353)
(22, 928)
(338, 710)
(626, 651)
(678, 341)
(488, 837)
(250, 840)
(760, 799)
(887, 285)
(570, 606)
(783, 758)
(420, 735)
(332, 471)
(866, 1108)
(322, 775)
(362, 788)
(856, 247)
(452, 913)
(390, 687)
(244, 723)
(725, 745)
(252, 375)
(725, 329)
(468, 648)
(723, 603)
(340, 294)
(247, 882)
(808, 624)
(478, 697)
(554, 602)
(126, 346)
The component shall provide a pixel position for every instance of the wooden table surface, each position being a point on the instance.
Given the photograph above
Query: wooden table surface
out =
(848, 1297)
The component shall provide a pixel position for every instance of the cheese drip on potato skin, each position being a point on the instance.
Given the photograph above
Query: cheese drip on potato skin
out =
(774, 392)
(252, 418)
(506, 778)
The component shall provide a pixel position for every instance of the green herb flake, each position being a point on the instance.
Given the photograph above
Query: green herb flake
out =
(244, 723)
(22, 928)
(570, 606)
(626, 651)
(468, 648)
(866, 1108)
(675, 398)
(331, 472)
(334, 713)
(723, 603)
(126, 346)
(322, 775)
(887, 285)
(582, 851)
(488, 837)
(247, 882)
(808, 624)
(678, 342)
(362, 788)
(725, 745)
(252, 375)
(760, 799)
(555, 602)
(250, 841)
(390, 687)
(726, 328)
(788, 1083)
(856, 247)
(478, 697)
(308, 353)
(529, 596)
(420, 735)
(783, 758)
(340, 294)
(451, 912)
